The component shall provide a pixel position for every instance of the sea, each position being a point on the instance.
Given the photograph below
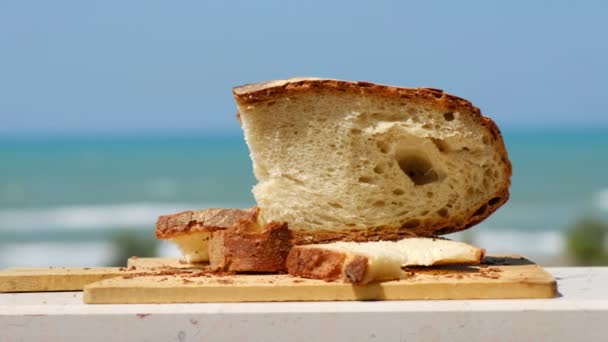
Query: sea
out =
(62, 199)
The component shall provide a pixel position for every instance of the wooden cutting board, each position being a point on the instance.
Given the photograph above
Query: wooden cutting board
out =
(170, 281)
(52, 279)
(42, 279)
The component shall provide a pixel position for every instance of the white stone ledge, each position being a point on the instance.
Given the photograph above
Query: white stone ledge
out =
(580, 313)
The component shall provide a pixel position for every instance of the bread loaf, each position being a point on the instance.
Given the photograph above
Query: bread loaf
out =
(356, 161)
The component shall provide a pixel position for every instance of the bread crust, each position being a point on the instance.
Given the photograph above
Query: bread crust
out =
(328, 265)
(205, 220)
(270, 91)
(245, 248)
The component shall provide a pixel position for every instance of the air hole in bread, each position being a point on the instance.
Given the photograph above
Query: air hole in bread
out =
(383, 146)
(493, 201)
(355, 131)
(443, 212)
(449, 116)
(398, 192)
(444, 230)
(429, 194)
(293, 179)
(379, 169)
(485, 140)
(411, 224)
(379, 204)
(366, 180)
(480, 211)
(335, 205)
(441, 145)
(418, 168)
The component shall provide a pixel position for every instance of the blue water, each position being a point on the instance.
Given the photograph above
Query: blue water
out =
(82, 189)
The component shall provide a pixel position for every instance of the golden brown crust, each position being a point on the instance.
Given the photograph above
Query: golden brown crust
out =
(244, 248)
(209, 220)
(268, 91)
(325, 264)
(315, 263)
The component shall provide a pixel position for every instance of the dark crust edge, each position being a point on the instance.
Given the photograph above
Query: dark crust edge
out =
(204, 220)
(324, 264)
(241, 249)
(258, 92)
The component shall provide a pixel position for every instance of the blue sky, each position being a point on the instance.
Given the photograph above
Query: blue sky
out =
(83, 67)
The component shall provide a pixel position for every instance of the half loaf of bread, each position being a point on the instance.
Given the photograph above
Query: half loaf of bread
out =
(356, 161)
(364, 262)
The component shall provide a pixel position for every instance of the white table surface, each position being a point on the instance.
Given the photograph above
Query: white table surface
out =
(580, 313)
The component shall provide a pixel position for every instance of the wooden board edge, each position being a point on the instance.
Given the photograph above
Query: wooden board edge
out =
(17, 280)
(99, 293)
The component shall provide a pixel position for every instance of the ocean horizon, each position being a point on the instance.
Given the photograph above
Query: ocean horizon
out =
(76, 191)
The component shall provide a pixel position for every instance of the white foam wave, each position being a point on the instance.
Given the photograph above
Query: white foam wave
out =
(54, 254)
(81, 254)
(601, 199)
(90, 217)
(504, 241)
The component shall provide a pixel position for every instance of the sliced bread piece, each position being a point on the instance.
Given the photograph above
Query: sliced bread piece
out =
(356, 161)
(191, 230)
(244, 248)
(364, 262)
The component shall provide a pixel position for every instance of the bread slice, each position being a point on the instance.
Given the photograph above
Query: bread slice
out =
(358, 161)
(191, 230)
(365, 262)
(244, 248)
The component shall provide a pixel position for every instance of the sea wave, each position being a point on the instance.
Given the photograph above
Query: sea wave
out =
(601, 199)
(54, 254)
(504, 241)
(127, 215)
